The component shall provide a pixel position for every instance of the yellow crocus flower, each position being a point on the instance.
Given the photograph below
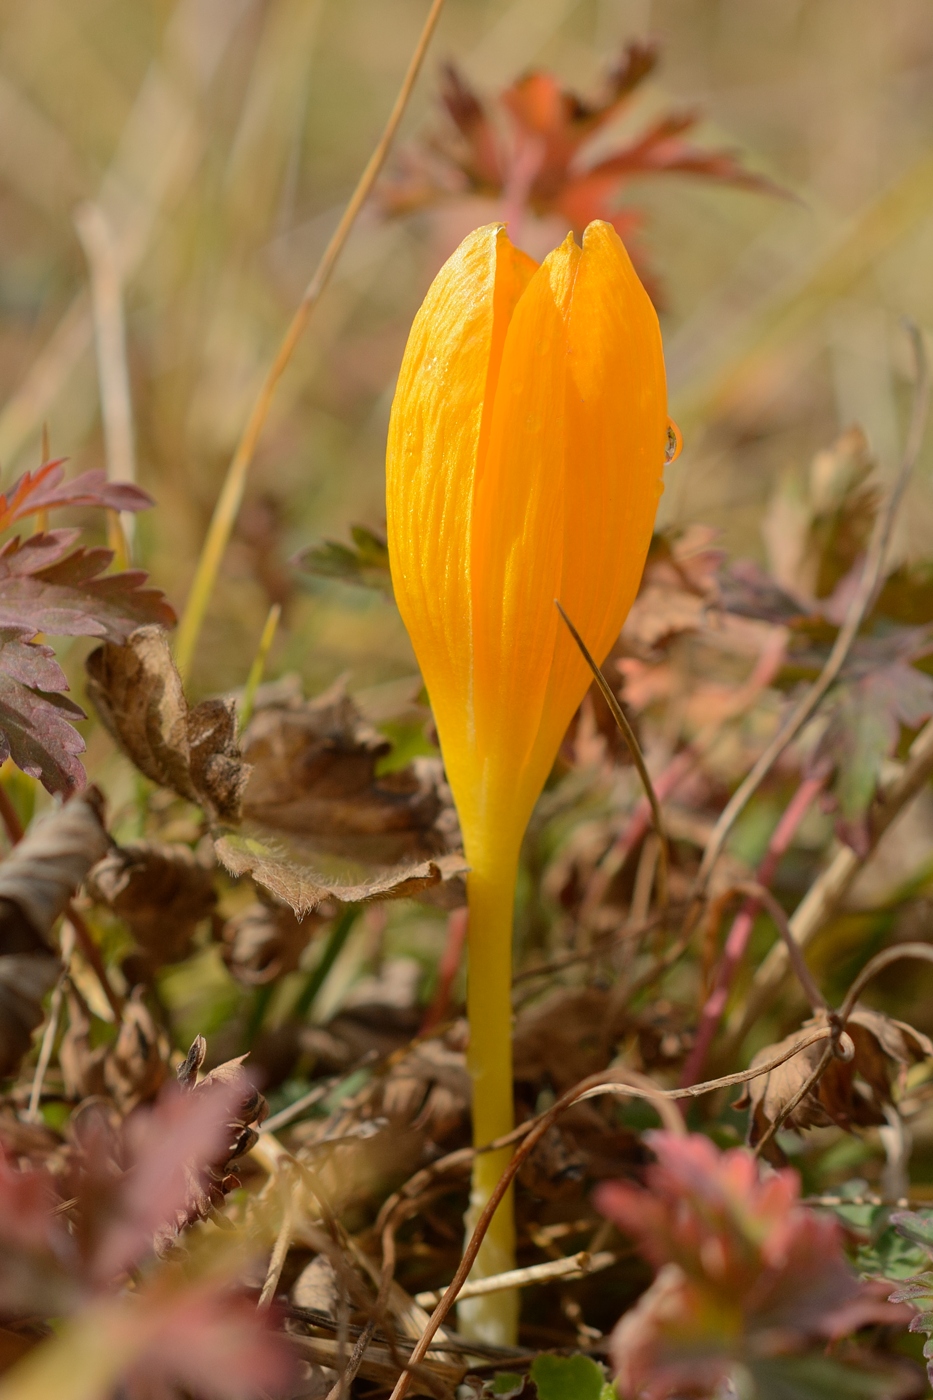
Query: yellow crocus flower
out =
(525, 455)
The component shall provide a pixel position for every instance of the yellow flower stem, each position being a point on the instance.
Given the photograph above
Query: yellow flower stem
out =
(491, 893)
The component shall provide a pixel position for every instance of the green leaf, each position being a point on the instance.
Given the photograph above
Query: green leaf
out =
(505, 1384)
(915, 1225)
(891, 1256)
(568, 1378)
(815, 1378)
(367, 565)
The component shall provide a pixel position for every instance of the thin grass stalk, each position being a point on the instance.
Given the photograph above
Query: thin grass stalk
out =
(258, 668)
(101, 251)
(231, 494)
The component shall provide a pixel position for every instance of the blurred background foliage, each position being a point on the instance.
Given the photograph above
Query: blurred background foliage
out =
(222, 140)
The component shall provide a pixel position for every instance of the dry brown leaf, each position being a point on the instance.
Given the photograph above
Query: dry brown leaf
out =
(850, 1093)
(567, 1036)
(82, 1065)
(162, 892)
(136, 1065)
(36, 881)
(304, 890)
(266, 940)
(677, 590)
(314, 775)
(208, 1183)
(429, 1089)
(138, 694)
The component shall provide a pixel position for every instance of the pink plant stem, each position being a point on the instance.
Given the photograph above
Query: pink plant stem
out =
(448, 968)
(740, 932)
(639, 822)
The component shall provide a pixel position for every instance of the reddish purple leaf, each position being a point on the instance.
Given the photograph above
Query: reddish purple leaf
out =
(35, 718)
(46, 489)
(43, 588)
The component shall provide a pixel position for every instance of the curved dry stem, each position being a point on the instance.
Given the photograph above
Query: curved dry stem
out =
(231, 495)
(531, 1133)
(628, 734)
(876, 964)
(860, 606)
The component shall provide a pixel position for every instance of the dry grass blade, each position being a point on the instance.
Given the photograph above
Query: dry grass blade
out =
(231, 495)
(858, 610)
(763, 896)
(628, 734)
(101, 251)
(573, 1267)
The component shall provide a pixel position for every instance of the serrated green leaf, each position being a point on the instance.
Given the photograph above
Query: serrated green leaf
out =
(567, 1378)
(891, 1256)
(366, 566)
(915, 1225)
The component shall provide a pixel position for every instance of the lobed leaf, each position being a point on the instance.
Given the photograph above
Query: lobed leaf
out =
(46, 489)
(43, 588)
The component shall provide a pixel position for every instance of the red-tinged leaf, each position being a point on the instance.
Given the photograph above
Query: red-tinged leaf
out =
(203, 1339)
(35, 1248)
(171, 1148)
(46, 489)
(745, 1270)
(43, 588)
(481, 157)
(538, 156)
(662, 150)
(36, 720)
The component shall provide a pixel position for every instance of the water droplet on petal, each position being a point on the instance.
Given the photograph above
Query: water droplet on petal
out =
(675, 442)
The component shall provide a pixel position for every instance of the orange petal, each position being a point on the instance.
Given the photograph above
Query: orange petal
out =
(437, 436)
(564, 508)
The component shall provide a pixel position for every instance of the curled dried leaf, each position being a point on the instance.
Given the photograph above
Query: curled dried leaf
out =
(266, 940)
(138, 694)
(314, 774)
(304, 889)
(208, 1181)
(36, 881)
(162, 892)
(850, 1093)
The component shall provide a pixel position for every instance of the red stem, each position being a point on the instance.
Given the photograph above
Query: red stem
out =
(736, 943)
(447, 970)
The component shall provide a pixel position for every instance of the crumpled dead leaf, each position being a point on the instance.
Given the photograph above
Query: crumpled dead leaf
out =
(130, 1070)
(569, 1035)
(428, 1089)
(37, 880)
(137, 691)
(850, 1093)
(304, 889)
(209, 1181)
(162, 892)
(677, 591)
(266, 940)
(137, 1064)
(314, 775)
